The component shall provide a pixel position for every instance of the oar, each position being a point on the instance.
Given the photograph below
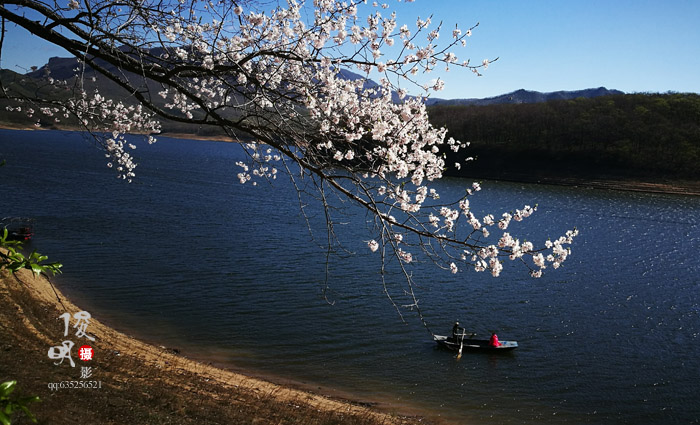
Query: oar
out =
(461, 345)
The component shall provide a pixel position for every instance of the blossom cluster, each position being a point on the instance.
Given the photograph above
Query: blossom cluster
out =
(296, 84)
(106, 119)
(101, 114)
(483, 257)
(279, 61)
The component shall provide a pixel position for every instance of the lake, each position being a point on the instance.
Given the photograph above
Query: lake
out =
(187, 257)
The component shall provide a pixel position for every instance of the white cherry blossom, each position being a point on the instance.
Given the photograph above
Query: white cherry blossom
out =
(276, 78)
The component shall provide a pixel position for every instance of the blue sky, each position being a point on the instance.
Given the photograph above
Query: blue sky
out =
(544, 45)
(633, 46)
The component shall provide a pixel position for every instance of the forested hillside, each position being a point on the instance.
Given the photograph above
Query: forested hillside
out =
(637, 136)
(634, 135)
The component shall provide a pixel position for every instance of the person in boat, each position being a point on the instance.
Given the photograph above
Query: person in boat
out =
(493, 342)
(457, 331)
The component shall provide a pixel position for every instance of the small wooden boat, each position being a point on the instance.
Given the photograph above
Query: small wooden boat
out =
(452, 343)
(18, 228)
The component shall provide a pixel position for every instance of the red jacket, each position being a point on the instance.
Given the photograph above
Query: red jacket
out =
(494, 341)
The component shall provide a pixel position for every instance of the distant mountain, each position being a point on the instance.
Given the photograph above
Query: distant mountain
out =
(527, 96)
(57, 68)
(64, 68)
(518, 96)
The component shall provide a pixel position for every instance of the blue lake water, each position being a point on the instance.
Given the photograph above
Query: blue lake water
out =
(187, 257)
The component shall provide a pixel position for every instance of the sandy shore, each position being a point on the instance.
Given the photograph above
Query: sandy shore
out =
(140, 383)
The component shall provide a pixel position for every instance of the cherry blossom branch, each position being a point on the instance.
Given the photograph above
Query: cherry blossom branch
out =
(278, 79)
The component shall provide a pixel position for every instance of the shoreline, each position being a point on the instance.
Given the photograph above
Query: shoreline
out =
(622, 183)
(145, 383)
(668, 187)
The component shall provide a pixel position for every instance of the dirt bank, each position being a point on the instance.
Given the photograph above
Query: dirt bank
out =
(139, 383)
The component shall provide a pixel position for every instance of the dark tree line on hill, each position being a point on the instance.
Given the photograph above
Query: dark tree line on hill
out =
(620, 136)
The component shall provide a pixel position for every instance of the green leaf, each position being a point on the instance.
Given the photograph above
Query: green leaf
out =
(54, 268)
(7, 387)
(31, 399)
(4, 419)
(5, 243)
(35, 256)
(9, 405)
(37, 269)
(29, 414)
